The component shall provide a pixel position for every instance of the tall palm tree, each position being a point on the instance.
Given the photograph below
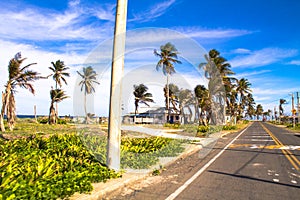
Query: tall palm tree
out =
(17, 77)
(173, 95)
(59, 73)
(186, 99)
(56, 95)
(168, 58)
(259, 111)
(243, 88)
(204, 103)
(281, 102)
(250, 111)
(218, 71)
(89, 78)
(141, 96)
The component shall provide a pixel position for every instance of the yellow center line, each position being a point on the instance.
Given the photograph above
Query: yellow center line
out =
(289, 155)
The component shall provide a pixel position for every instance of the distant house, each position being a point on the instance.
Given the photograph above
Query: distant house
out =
(153, 115)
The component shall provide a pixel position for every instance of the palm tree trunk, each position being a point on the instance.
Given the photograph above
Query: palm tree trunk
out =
(11, 112)
(85, 110)
(2, 113)
(52, 114)
(136, 104)
(168, 100)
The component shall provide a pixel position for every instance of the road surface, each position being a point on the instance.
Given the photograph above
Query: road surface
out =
(261, 162)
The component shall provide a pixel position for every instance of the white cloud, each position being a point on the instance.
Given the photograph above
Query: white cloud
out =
(262, 57)
(251, 74)
(42, 87)
(196, 32)
(46, 25)
(241, 51)
(294, 62)
(154, 12)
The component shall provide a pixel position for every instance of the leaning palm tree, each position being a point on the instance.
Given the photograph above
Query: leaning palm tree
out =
(168, 57)
(89, 78)
(17, 77)
(56, 95)
(141, 96)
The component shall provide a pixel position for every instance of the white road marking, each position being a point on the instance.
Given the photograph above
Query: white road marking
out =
(293, 181)
(198, 173)
(256, 140)
(258, 136)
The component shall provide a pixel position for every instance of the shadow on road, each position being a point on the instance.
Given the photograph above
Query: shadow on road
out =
(251, 178)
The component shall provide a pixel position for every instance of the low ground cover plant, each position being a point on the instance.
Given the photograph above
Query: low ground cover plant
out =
(59, 165)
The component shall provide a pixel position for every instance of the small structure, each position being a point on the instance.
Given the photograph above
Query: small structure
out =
(153, 115)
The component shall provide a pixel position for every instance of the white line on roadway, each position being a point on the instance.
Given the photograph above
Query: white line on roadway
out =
(198, 173)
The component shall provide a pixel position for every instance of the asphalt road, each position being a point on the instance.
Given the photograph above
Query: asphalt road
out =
(261, 162)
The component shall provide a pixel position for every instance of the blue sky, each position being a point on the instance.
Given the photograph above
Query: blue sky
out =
(260, 39)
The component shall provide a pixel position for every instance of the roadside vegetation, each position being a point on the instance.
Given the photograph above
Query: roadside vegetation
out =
(43, 161)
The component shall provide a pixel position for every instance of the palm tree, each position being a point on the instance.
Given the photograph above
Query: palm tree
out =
(168, 57)
(141, 96)
(259, 111)
(89, 78)
(217, 70)
(17, 76)
(56, 95)
(243, 88)
(281, 102)
(59, 73)
(204, 103)
(186, 99)
(250, 105)
(58, 68)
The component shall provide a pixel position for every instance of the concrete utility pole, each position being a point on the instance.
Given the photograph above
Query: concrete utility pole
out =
(114, 123)
(298, 107)
(293, 109)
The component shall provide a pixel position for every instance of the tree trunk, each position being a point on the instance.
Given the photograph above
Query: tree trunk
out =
(2, 113)
(168, 100)
(85, 110)
(11, 112)
(52, 115)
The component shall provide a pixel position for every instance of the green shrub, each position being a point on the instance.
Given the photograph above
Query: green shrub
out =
(203, 129)
(62, 121)
(42, 120)
(48, 168)
(229, 127)
(176, 125)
